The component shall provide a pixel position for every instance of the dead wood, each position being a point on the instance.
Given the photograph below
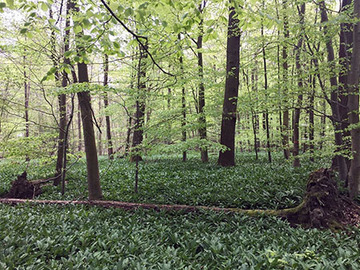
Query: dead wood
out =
(322, 207)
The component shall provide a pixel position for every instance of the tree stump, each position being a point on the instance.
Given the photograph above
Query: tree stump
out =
(21, 188)
(323, 206)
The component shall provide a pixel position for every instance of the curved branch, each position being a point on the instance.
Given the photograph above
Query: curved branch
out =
(137, 37)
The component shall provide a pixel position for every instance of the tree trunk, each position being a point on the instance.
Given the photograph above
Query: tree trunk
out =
(285, 117)
(106, 104)
(26, 97)
(227, 138)
(202, 116)
(140, 106)
(346, 43)
(61, 149)
(339, 160)
(266, 114)
(296, 135)
(92, 164)
(311, 118)
(183, 105)
(254, 115)
(353, 106)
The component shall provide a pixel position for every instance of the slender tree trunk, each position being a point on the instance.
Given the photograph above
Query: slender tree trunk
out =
(79, 129)
(311, 118)
(285, 115)
(26, 98)
(254, 115)
(339, 160)
(100, 121)
(353, 105)
(202, 116)
(128, 135)
(92, 164)
(227, 157)
(266, 114)
(183, 105)
(140, 106)
(106, 104)
(297, 111)
(62, 108)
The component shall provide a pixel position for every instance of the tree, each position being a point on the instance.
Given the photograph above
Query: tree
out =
(106, 104)
(296, 136)
(87, 117)
(353, 106)
(227, 157)
(201, 106)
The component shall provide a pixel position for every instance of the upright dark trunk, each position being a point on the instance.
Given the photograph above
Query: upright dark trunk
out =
(339, 160)
(346, 42)
(92, 164)
(183, 106)
(202, 117)
(285, 115)
(61, 149)
(296, 135)
(106, 104)
(79, 129)
(227, 157)
(312, 118)
(128, 134)
(254, 115)
(26, 98)
(353, 106)
(140, 106)
(266, 114)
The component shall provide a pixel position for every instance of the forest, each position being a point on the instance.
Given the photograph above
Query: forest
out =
(168, 134)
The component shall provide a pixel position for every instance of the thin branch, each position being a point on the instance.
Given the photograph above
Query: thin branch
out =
(137, 37)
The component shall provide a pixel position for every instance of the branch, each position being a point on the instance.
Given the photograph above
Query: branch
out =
(137, 37)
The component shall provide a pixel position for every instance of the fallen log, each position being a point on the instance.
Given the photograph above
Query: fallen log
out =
(322, 206)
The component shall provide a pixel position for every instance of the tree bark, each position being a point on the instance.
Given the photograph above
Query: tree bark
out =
(266, 114)
(183, 105)
(339, 160)
(345, 46)
(227, 138)
(92, 164)
(285, 117)
(61, 149)
(353, 105)
(106, 104)
(297, 111)
(202, 116)
(138, 134)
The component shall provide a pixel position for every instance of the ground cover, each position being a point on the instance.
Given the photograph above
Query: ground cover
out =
(77, 237)
(166, 180)
(83, 237)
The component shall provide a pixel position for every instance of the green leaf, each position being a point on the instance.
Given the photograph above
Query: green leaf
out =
(77, 29)
(10, 3)
(2, 5)
(116, 45)
(44, 6)
(129, 12)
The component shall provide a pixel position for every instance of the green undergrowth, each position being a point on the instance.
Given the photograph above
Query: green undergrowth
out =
(82, 237)
(167, 180)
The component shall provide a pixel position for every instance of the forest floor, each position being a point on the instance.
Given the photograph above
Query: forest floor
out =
(93, 237)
